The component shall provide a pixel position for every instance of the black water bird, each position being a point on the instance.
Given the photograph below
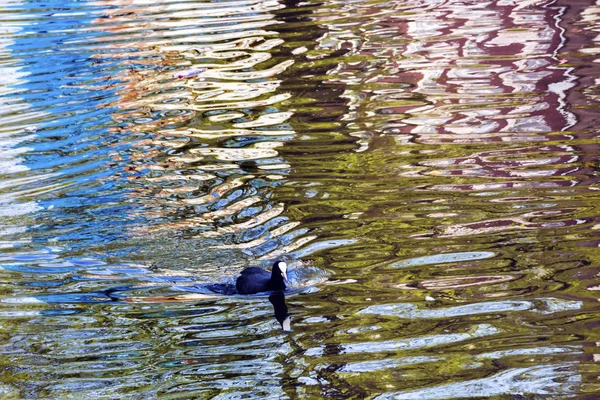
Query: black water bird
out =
(255, 280)
(282, 314)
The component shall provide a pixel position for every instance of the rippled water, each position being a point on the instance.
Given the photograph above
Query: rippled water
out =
(428, 167)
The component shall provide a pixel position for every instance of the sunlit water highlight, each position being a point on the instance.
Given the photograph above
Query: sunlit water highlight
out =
(429, 170)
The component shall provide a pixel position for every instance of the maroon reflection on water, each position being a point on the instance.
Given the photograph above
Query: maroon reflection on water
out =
(470, 70)
(482, 94)
(489, 73)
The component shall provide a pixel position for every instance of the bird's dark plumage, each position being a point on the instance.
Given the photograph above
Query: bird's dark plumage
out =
(282, 314)
(255, 280)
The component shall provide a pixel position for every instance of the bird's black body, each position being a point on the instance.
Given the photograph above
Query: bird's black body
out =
(255, 280)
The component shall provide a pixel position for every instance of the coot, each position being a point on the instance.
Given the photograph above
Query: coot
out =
(256, 280)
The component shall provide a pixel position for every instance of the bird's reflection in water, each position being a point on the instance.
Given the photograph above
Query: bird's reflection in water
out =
(277, 298)
(281, 311)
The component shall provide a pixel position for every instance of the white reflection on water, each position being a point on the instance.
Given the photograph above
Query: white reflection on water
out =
(553, 379)
(477, 331)
(11, 135)
(445, 258)
(392, 363)
(500, 354)
(411, 311)
(369, 366)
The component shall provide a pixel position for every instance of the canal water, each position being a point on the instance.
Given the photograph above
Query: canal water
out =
(429, 170)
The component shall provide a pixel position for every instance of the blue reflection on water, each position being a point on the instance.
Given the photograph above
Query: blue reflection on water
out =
(69, 91)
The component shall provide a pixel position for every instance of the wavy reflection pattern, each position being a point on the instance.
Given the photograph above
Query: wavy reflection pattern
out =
(212, 119)
(15, 203)
(464, 104)
(148, 121)
(434, 140)
(459, 108)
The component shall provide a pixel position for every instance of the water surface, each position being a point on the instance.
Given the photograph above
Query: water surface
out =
(430, 168)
